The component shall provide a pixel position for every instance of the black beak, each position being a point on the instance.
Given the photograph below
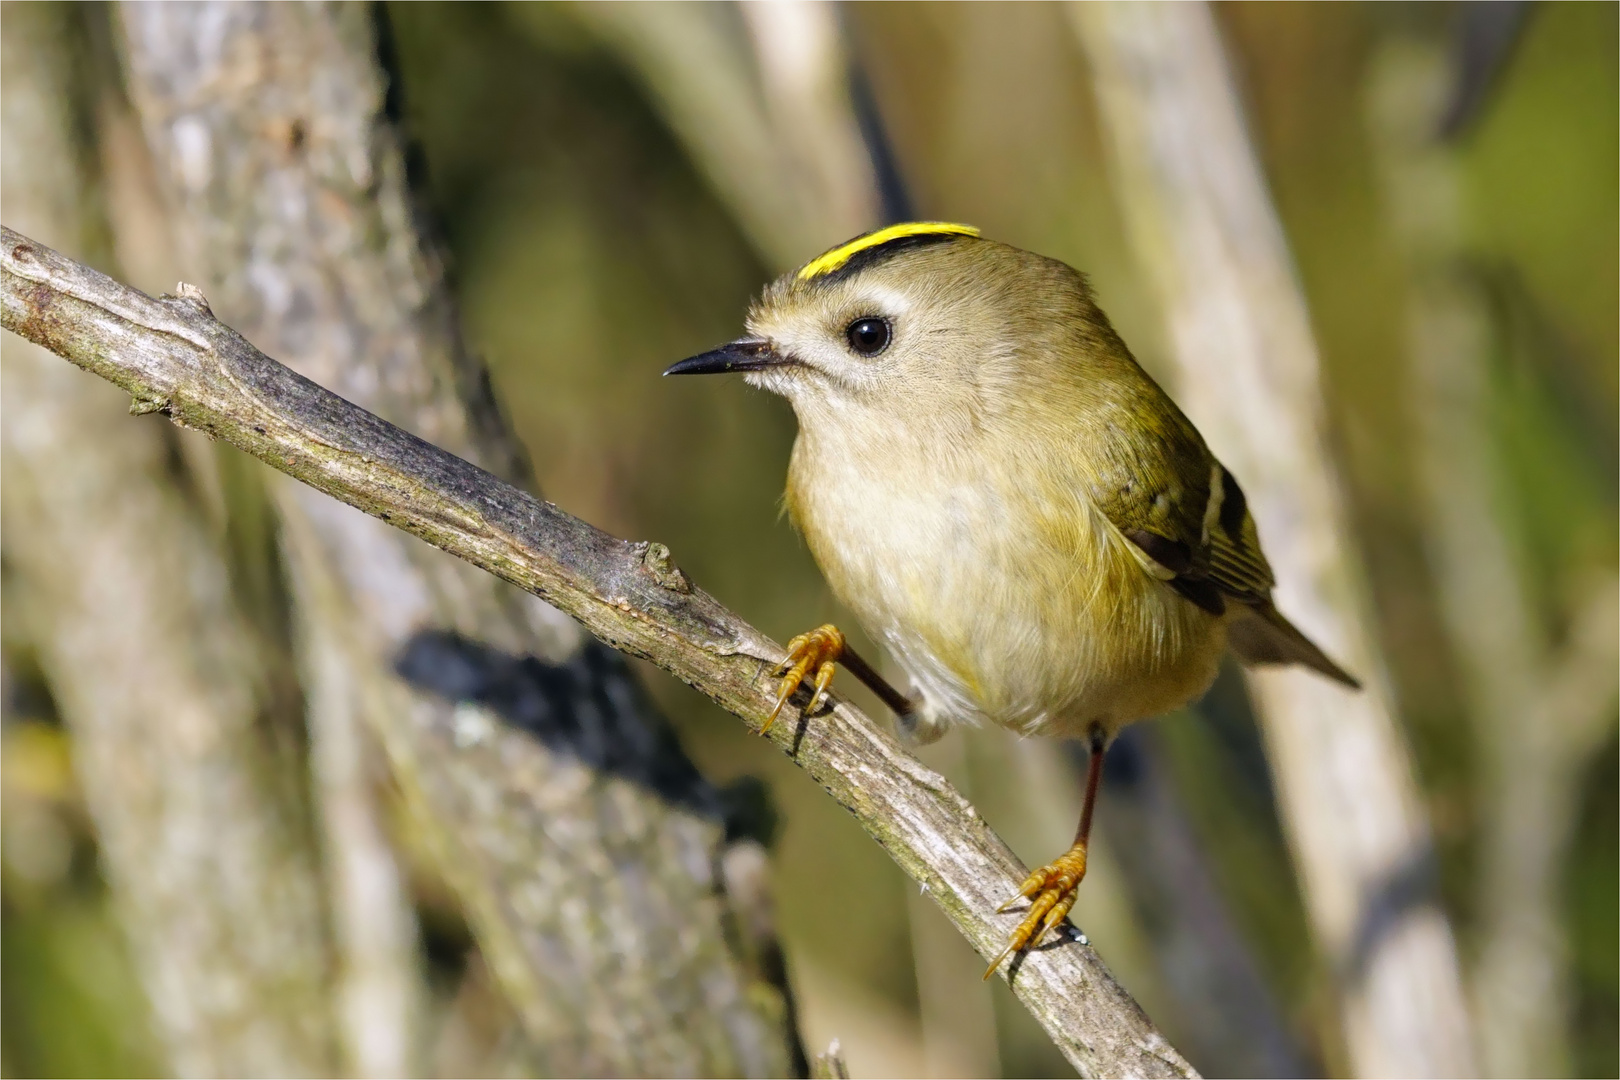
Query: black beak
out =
(744, 354)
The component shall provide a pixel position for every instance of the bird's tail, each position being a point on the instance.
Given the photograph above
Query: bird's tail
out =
(1260, 635)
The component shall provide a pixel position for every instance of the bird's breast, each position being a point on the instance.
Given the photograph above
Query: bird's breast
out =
(1005, 595)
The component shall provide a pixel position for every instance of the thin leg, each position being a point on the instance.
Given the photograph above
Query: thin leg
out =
(1052, 888)
(875, 682)
(1094, 765)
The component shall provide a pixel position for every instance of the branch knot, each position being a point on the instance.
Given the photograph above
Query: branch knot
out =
(656, 561)
(192, 295)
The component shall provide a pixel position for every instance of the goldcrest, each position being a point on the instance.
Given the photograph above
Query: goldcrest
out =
(1005, 500)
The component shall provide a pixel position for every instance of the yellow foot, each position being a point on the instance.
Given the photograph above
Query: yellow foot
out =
(1051, 890)
(815, 651)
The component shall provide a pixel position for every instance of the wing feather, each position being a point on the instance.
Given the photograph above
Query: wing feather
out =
(1208, 549)
(1236, 563)
(1189, 522)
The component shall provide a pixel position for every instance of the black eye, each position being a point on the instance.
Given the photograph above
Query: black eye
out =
(868, 336)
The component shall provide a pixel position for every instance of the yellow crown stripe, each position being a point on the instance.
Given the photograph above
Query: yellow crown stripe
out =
(838, 256)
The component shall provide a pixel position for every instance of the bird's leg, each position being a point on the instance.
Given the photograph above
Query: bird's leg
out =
(1051, 889)
(820, 651)
(876, 683)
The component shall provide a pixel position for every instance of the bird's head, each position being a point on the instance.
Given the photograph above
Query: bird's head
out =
(915, 319)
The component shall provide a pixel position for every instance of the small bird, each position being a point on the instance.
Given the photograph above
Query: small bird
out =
(1006, 501)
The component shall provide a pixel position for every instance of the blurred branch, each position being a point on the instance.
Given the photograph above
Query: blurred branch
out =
(191, 772)
(1207, 234)
(1229, 1020)
(599, 907)
(175, 358)
(1540, 709)
(761, 95)
(380, 989)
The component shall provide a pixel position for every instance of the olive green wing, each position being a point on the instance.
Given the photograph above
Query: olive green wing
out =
(1259, 633)
(1236, 563)
(1147, 469)
(1192, 524)
(1187, 515)
(1156, 481)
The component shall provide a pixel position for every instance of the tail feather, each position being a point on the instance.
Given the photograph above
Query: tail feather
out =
(1260, 635)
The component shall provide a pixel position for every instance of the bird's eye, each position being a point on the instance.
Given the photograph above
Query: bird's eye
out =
(869, 336)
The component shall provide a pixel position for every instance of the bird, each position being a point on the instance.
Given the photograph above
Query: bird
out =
(1006, 501)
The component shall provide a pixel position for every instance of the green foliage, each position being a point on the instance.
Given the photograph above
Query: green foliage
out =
(71, 1003)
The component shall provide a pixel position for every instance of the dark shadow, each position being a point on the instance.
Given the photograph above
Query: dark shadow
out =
(894, 201)
(1484, 39)
(1411, 884)
(1066, 935)
(801, 722)
(591, 708)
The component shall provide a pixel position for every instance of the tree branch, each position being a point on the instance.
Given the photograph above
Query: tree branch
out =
(174, 357)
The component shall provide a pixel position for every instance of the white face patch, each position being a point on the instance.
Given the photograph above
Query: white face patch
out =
(815, 334)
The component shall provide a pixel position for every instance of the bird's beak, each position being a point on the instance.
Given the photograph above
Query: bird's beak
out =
(744, 354)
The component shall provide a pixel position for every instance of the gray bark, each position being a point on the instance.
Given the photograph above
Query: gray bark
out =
(1202, 221)
(599, 909)
(190, 774)
(175, 358)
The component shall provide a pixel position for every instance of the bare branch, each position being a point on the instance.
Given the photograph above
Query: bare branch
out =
(174, 357)
(771, 125)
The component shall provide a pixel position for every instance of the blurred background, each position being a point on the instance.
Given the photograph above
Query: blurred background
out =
(610, 185)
